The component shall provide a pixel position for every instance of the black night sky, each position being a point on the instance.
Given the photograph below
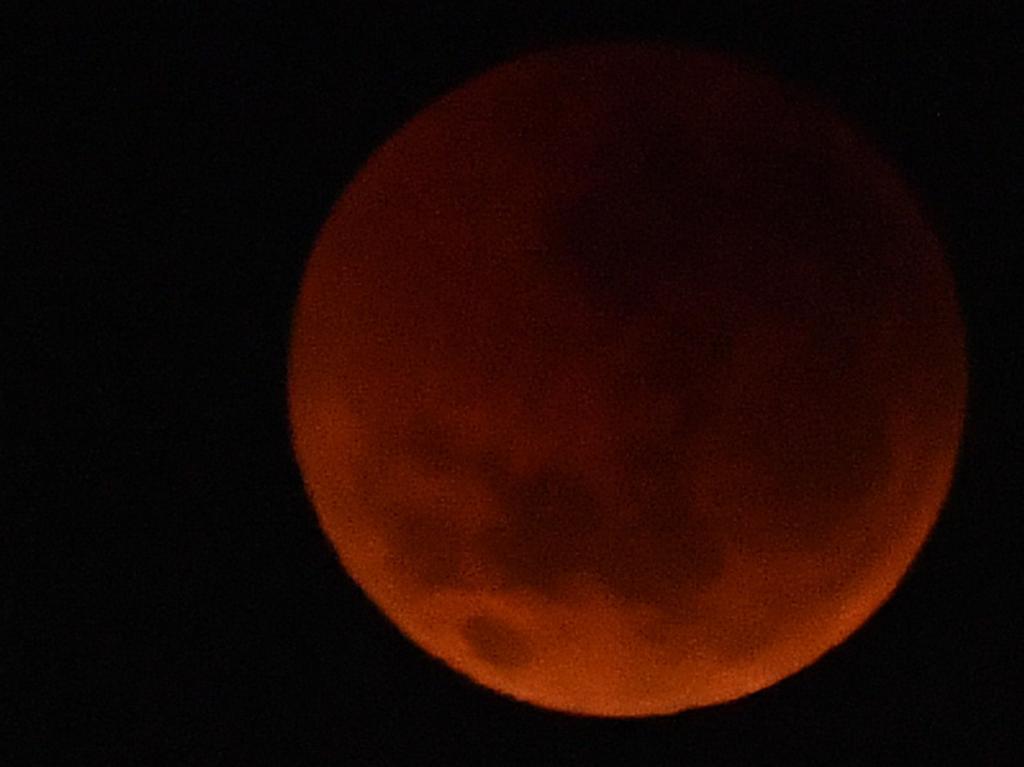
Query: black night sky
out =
(169, 597)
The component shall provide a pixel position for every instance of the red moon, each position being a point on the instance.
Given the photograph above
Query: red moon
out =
(626, 379)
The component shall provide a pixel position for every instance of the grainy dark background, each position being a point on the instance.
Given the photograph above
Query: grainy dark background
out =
(167, 595)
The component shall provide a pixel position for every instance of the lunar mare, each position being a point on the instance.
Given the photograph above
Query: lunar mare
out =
(626, 380)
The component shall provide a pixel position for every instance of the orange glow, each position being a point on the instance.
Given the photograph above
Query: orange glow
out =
(625, 380)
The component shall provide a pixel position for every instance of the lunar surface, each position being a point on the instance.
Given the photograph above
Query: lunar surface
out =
(626, 380)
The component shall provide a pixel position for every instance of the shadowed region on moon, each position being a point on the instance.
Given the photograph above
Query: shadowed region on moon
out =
(496, 643)
(545, 523)
(550, 528)
(627, 380)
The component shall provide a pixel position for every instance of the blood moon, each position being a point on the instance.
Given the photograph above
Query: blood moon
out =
(626, 379)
